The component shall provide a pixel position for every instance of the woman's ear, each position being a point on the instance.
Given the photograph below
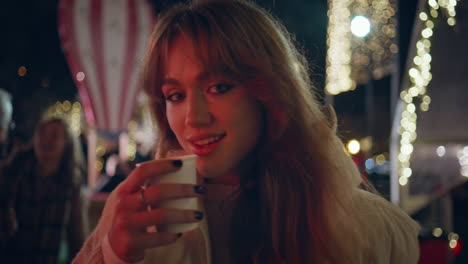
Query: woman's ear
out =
(330, 115)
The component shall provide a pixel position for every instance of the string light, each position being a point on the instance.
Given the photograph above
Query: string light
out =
(420, 77)
(453, 240)
(380, 159)
(100, 151)
(437, 232)
(349, 58)
(68, 111)
(75, 119)
(463, 161)
(376, 54)
(131, 147)
(440, 151)
(339, 48)
(449, 6)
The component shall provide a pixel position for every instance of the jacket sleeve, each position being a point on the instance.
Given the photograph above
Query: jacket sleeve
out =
(92, 252)
(391, 234)
(404, 237)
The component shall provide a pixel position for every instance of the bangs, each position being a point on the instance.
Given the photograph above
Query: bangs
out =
(232, 40)
(211, 34)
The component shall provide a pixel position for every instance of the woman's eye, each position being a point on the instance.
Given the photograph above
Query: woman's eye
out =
(220, 88)
(174, 97)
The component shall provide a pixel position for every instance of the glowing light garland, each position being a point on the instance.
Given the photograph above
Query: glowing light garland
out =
(339, 48)
(463, 160)
(420, 77)
(376, 53)
(131, 147)
(350, 58)
(70, 112)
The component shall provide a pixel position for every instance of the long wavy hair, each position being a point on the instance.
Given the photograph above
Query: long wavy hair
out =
(71, 167)
(295, 201)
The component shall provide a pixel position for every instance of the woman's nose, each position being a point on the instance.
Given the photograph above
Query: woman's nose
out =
(198, 110)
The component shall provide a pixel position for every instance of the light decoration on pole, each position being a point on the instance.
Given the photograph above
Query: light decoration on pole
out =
(360, 26)
(339, 48)
(131, 147)
(348, 57)
(420, 77)
(462, 156)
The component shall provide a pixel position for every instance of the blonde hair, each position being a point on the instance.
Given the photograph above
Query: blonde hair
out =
(298, 182)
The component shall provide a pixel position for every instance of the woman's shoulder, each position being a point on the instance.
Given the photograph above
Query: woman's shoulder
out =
(376, 209)
(389, 230)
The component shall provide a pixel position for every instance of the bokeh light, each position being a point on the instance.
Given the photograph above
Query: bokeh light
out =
(22, 71)
(360, 26)
(440, 151)
(353, 146)
(420, 76)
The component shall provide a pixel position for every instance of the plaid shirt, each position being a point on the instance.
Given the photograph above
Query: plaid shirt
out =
(46, 213)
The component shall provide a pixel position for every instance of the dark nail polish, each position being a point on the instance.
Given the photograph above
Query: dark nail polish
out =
(179, 235)
(177, 163)
(199, 189)
(198, 215)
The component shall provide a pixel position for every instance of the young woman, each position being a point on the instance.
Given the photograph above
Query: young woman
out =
(40, 194)
(227, 84)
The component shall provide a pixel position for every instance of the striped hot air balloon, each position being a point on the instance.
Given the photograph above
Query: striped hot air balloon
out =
(104, 42)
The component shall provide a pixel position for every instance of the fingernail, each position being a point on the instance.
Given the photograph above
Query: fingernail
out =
(198, 215)
(177, 163)
(199, 189)
(179, 235)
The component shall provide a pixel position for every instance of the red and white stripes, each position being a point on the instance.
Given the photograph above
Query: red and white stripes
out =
(105, 40)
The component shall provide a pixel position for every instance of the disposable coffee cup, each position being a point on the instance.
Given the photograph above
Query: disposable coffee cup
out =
(187, 174)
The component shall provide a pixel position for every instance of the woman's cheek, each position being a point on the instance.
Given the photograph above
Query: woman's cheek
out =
(177, 126)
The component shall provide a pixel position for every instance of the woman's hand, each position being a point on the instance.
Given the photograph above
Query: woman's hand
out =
(128, 236)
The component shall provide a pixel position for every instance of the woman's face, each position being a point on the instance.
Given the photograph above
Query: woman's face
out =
(211, 115)
(49, 143)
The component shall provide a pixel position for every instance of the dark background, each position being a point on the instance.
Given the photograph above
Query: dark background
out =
(29, 38)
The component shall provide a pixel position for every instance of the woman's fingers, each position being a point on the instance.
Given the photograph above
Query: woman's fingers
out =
(146, 171)
(150, 240)
(130, 246)
(128, 236)
(160, 216)
(157, 193)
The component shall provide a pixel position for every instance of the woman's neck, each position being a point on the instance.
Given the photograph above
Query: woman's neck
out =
(228, 179)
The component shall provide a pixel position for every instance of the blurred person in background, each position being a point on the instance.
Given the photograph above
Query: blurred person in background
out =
(41, 214)
(6, 111)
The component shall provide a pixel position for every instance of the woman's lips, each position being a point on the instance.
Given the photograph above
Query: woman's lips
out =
(203, 146)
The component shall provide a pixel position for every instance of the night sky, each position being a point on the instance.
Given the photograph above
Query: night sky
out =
(30, 39)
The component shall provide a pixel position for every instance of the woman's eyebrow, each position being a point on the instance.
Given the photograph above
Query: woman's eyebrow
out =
(170, 81)
(204, 76)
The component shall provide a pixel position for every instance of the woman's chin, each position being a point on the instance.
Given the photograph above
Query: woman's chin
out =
(217, 176)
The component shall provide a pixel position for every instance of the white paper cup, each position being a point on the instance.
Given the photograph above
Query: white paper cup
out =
(187, 174)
